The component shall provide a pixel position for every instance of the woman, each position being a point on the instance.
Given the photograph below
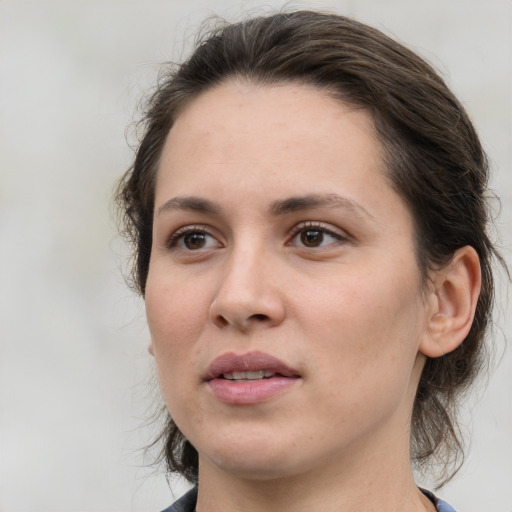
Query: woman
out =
(310, 230)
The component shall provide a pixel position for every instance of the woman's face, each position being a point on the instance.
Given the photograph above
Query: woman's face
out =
(283, 297)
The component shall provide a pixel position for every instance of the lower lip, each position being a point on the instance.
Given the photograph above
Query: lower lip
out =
(249, 392)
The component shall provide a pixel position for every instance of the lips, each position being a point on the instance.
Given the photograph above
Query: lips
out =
(249, 362)
(244, 379)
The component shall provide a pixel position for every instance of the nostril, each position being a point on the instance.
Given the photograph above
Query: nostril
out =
(260, 317)
(221, 321)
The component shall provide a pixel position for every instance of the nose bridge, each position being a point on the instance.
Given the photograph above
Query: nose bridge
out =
(242, 264)
(247, 291)
(245, 272)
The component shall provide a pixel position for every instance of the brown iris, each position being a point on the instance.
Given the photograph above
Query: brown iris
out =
(194, 240)
(311, 237)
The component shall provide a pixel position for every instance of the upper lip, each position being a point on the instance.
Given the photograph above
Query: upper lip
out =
(250, 361)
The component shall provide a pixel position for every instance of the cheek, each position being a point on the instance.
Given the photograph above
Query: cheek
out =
(370, 326)
(175, 310)
(369, 347)
(175, 321)
(173, 324)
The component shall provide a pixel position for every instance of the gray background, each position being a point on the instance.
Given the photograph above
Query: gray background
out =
(75, 376)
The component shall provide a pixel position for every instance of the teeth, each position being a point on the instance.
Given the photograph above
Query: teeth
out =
(257, 375)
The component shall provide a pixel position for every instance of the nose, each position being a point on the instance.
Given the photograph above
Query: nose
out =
(248, 295)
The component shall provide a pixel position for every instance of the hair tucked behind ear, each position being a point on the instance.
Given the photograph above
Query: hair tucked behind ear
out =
(434, 158)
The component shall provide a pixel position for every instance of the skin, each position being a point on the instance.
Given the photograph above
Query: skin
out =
(349, 313)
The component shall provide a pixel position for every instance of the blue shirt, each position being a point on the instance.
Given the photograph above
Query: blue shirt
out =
(187, 503)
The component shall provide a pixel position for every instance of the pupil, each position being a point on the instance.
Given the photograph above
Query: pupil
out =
(194, 240)
(311, 238)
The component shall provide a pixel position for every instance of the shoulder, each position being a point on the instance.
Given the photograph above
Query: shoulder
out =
(441, 506)
(187, 503)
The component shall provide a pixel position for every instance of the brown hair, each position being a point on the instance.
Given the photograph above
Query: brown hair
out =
(434, 159)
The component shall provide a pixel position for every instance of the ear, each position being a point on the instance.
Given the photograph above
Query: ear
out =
(151, 350)
(456, 288)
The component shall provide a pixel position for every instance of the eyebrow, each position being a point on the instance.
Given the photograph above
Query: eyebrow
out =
(280, 207)
(196, 204)
(313, 201)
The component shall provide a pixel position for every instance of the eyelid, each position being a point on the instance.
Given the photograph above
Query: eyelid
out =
(331, 230)
(178, 234)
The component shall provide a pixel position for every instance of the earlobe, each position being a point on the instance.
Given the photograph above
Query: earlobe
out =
(150, 349)
(453, 301)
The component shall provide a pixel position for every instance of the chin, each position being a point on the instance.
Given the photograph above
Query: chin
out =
(255, 470)
(255, 459)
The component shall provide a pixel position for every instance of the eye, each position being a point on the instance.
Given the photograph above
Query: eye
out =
(192, 239)
(313, 236)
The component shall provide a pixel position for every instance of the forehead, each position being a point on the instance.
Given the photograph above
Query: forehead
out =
(269, 123)
(265, 143)
(282, 107)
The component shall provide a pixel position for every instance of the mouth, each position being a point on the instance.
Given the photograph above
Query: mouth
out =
(251, 378)
(248, 366)
(253, 375)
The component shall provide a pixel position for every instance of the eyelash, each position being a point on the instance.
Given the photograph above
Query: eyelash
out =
(180, 234)
(325, 229)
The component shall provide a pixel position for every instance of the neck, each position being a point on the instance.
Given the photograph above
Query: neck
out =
(379, 483)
